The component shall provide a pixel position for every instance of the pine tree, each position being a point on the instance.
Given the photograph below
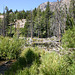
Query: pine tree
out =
(31, 25)
(34, 13)
(72, 8)
(27, 27)
(4, 25)
(7, 19)
(42, 23)
(0, 26)
(71, 16)
(38, 18)
(47, 19)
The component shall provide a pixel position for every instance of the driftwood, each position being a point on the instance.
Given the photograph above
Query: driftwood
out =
(71, 48)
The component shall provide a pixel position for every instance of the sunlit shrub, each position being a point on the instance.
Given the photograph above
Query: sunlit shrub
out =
(33, 70)
(72, 69)
(34, 61)
(68, 39)
(53, 64)
(30, 55)
(10, 47)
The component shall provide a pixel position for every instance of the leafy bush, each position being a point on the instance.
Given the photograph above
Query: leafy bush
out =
(34, 61)
(30, 55)
(33, 70)
(68, 39)
(53, 64)
(72, 69)
(24, 72)
(10, 47)
(27, 58)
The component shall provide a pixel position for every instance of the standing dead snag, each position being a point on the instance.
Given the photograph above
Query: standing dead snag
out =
(31, 26)
(3, 24)
(58, 19)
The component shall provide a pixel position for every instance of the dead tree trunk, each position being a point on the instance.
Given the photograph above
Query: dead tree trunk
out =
(58, 12)
(4, 28)
(31, 26)
(18, 32)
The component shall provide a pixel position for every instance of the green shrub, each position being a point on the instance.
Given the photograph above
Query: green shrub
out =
(72, 69)
(28, 58)
(30, 55)
(34, 61)
(33, 70)
(10, 47)
(68, 39)
(53, 64)
(24, 72)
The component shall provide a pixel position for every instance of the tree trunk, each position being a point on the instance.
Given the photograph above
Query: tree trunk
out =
(59, 33)
(31, 26)
(10, 29)
(38, 33)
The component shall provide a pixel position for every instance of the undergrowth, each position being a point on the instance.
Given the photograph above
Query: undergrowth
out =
(34, 61)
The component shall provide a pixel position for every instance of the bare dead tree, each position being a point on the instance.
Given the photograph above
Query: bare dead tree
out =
(4, 25)
(31, 26)
(18, 30)
(58, 19)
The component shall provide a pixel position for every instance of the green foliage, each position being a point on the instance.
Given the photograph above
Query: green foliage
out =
(36, 62)
(29, 55)
(24, 72)
(69, 22)
(26, 29)
(53, 64)
(26, 59)
(7, 15)
(0, 23)
(10, 47)
(7, 19)
(72, 9)
(33, 70)
(72, 69)
(48, 14)
(40, 22)
(34, 13)
(68, 38)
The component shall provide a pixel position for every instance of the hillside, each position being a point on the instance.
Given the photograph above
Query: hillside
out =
(53, 5)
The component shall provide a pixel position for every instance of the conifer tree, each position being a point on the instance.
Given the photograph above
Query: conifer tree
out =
(72, 8)
(47, 19)
(34, 14)
(71, 16)
(27, 27)
(0, 26)
(42, 23)
(7, 19)
(38, 18)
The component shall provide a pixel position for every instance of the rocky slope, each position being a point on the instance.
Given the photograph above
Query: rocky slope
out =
(53, 5)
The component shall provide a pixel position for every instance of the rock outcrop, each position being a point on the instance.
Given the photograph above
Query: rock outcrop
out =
(53, 5)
